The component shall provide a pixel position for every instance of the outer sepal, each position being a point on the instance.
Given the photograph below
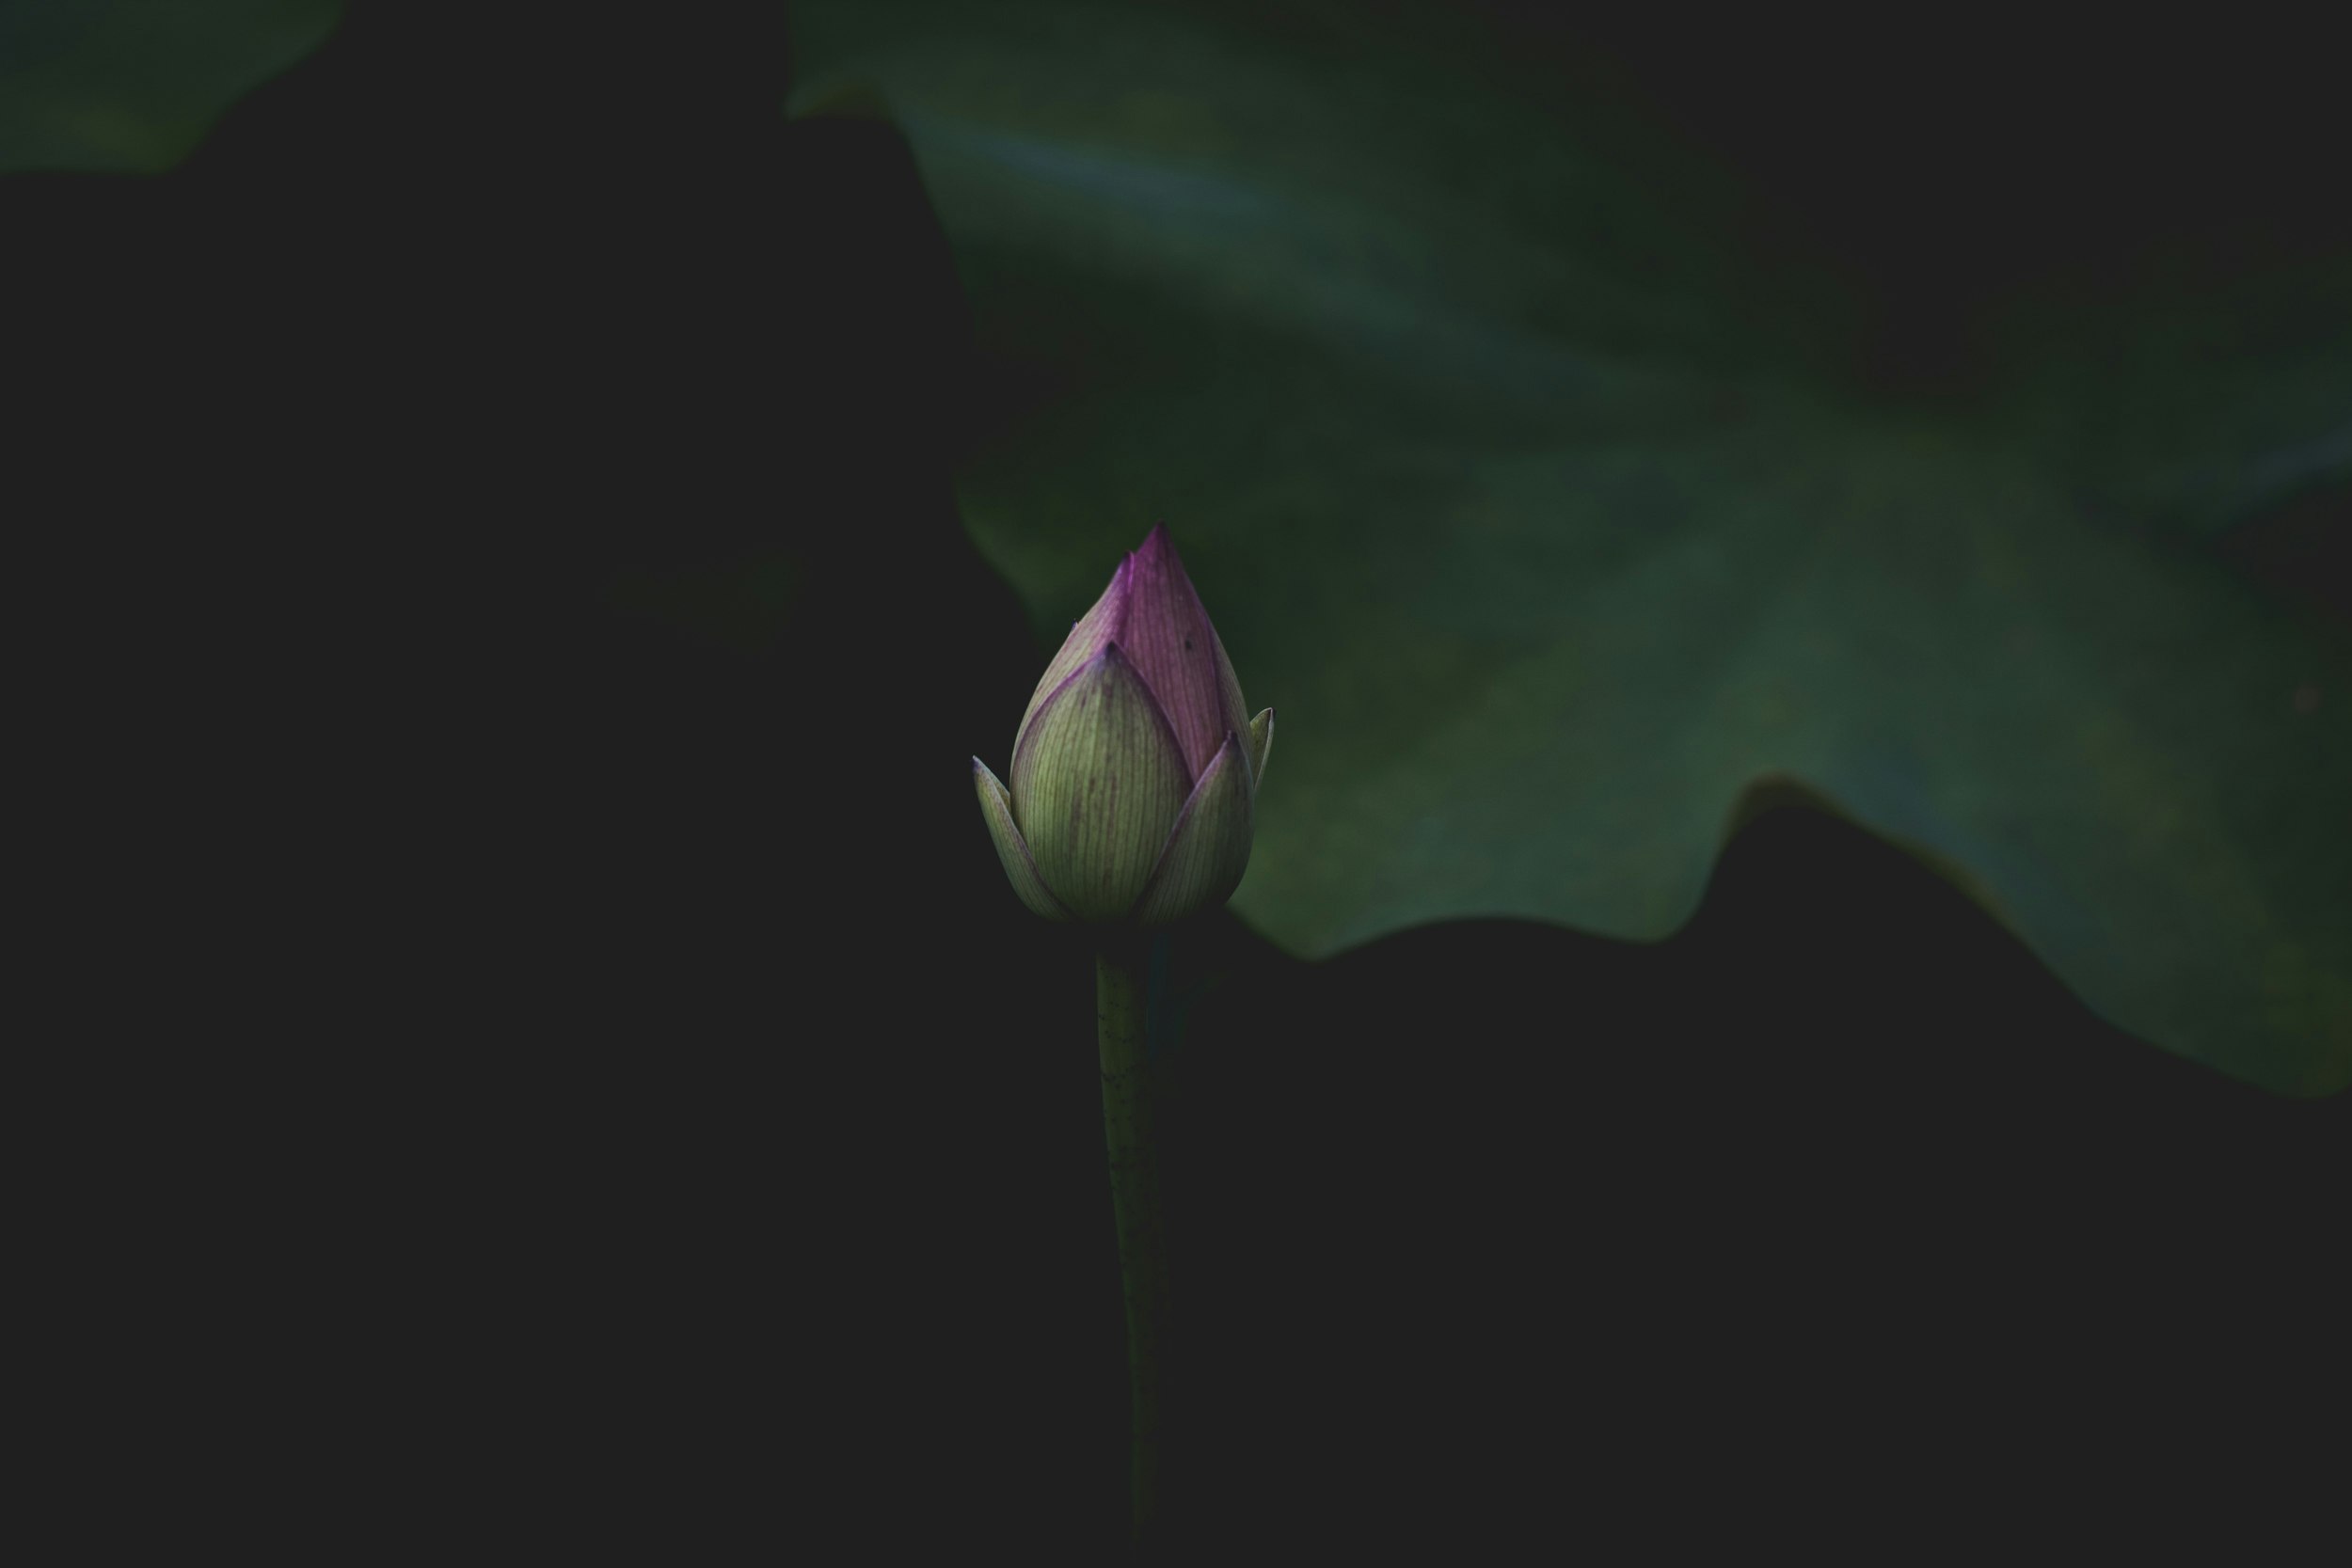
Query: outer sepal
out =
(1260, 746)
(1020, 866)
(1209, 848)
(1098, 778)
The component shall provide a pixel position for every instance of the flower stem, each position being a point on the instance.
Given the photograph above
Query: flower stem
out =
(1121, 971)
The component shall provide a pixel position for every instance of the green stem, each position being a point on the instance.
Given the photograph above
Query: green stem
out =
(1120, 969)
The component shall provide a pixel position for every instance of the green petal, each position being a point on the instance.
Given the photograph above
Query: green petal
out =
(1260, 747)
(1020, 866)
(1210, 848)
(1097, 782)
(1088, 635)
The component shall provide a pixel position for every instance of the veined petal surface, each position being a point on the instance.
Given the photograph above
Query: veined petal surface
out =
(1152, 610)
(1209, 850)
(1176, 651)
(1020, 866)
(1087, 637)
(1097, 782)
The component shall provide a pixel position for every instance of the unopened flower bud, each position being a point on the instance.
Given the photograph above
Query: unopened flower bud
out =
(1135, 771)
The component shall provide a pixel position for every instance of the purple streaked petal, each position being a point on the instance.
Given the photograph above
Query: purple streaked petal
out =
(1152, 610)
(1167, 634)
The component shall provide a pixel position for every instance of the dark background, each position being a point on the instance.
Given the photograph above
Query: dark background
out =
(574, 1080)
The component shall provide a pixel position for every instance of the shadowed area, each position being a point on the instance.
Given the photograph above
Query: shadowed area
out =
(566, 1069)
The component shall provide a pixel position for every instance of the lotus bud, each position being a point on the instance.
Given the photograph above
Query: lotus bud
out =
(1135, 771)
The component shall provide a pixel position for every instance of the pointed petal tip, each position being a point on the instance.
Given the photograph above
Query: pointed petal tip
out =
(1260, 744)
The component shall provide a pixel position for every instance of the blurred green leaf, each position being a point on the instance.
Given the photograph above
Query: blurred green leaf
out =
(1548, 504)
(1548, 496)
(132, 85)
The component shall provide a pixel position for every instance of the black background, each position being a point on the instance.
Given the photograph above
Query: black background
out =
(568, 1081)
